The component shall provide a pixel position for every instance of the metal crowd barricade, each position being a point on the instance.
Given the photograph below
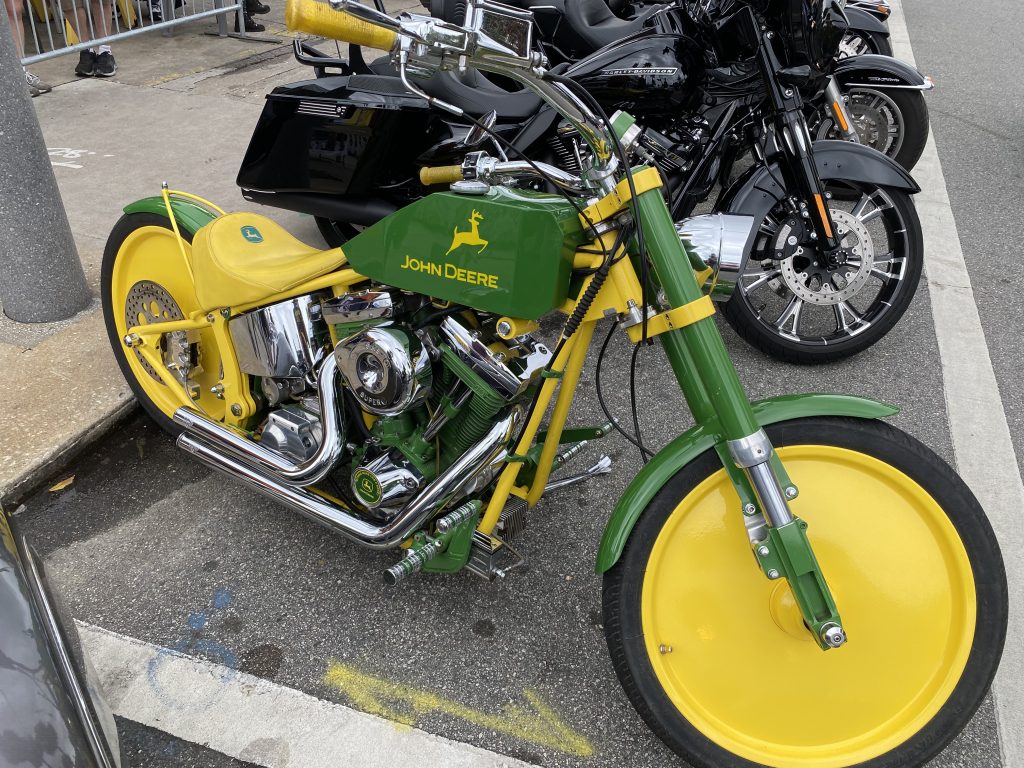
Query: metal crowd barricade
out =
(55, 27)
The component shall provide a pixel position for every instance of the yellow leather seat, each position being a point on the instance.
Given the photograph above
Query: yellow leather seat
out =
(244, 257)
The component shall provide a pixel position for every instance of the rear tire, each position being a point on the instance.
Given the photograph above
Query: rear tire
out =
(715, 657)
(143, 274)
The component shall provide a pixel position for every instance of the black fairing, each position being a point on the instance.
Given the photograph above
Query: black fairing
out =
(651, 74)
(344, 135)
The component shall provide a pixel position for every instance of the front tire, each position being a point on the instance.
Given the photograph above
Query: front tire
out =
(857, 42)
(715, 657)
(799, 311)
(892, 120)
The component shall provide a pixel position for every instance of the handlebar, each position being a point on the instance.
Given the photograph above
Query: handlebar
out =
(480, 166)
(440, 174)
(318, 18)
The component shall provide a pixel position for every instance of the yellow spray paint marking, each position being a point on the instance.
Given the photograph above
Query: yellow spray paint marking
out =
(537, 723)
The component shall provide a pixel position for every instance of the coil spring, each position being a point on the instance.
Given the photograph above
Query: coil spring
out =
(563, 150)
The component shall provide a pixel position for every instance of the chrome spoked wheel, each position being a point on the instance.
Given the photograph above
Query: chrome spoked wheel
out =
(876, 117)
(795, 304)
(892, 120)
(859, 42)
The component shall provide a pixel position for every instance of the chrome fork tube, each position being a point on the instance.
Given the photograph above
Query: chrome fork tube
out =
(294, 473)
(752, 454)
(837, 106)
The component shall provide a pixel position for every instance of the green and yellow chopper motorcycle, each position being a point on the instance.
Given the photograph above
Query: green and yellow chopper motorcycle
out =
(791, 582)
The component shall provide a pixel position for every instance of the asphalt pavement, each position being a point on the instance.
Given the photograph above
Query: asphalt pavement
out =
(150, 545)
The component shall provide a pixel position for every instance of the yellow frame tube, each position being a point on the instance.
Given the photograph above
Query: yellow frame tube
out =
(622, 284)
(566, 393)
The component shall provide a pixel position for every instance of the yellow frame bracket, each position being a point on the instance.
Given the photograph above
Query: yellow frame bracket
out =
(680, 317)
(618, 198)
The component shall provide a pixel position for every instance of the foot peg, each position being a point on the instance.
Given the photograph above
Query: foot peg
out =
(602, 467)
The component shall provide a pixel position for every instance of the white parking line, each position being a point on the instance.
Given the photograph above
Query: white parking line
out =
(984, 452)
(251, 719)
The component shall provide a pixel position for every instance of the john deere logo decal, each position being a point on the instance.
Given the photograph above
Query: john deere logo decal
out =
(469, 238)
(252, 234)
(367, 486)
(451, 271)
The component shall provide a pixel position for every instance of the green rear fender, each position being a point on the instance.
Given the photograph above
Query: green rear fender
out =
(692, 443)
(190, 216)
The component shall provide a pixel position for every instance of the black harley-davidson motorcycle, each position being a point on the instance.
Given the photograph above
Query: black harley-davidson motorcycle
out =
(873, 99)
(837, 253)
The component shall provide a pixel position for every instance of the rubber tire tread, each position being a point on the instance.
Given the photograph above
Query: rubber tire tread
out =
(743, 320)
(624, 581)
(124, 227)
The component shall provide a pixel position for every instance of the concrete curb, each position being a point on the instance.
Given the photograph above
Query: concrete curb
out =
(61, 394)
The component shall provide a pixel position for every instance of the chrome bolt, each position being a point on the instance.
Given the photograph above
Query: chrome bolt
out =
(828, 195)
(218, 391)
(791, 240)
(132, 340)
(225, 312)
(773, 574)
(791, 492)
(665, 648)
(814, 235)
(504, 328)
(788, 92)
(236, 409)
(749, 509)
(209, 318)
(833, 635)
(762, 551)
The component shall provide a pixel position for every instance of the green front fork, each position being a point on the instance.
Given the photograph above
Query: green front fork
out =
(716, 398)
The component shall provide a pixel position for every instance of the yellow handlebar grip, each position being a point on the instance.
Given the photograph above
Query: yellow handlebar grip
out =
(441, 174)
(320, 19)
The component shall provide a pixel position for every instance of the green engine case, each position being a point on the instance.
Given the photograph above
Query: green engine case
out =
(509, 251)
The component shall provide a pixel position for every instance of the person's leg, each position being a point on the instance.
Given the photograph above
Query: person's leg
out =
(105, 64)
(16, 16)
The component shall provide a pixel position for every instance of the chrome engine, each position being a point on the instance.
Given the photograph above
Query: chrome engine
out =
(413, 410)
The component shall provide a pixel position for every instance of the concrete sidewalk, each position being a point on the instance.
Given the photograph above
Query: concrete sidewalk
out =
(180, 109)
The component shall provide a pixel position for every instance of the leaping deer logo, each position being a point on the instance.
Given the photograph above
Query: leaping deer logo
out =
(472, 237)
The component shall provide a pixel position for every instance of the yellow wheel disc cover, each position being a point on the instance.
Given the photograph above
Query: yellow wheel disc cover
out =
(151, 254)
(744, 671)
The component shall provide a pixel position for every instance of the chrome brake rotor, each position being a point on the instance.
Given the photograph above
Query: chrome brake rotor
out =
(810, 280)
(148, 303)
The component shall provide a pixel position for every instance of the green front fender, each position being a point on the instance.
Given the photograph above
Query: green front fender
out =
(189, 215)
(692, 443)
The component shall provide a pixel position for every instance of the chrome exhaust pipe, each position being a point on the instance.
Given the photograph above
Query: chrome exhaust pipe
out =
(721, 242)
(445, 489)
(294, 473)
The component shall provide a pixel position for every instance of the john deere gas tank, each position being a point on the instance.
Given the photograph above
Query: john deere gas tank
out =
(509, 251)
(652, 74)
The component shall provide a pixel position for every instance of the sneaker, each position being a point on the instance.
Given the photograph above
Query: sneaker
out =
(253, 7)
(105, 65)
(35, 85)
(250, 24)
(86, 64)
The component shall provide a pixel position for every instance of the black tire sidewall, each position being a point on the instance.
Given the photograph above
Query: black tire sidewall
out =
(741, 316)
(914, 109)
(623, 586)
(124, 227)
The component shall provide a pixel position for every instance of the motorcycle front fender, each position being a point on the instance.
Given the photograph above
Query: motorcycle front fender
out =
(756, 192)
(692, 443)
(874, 71)
(862, 20)
(190, 216)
